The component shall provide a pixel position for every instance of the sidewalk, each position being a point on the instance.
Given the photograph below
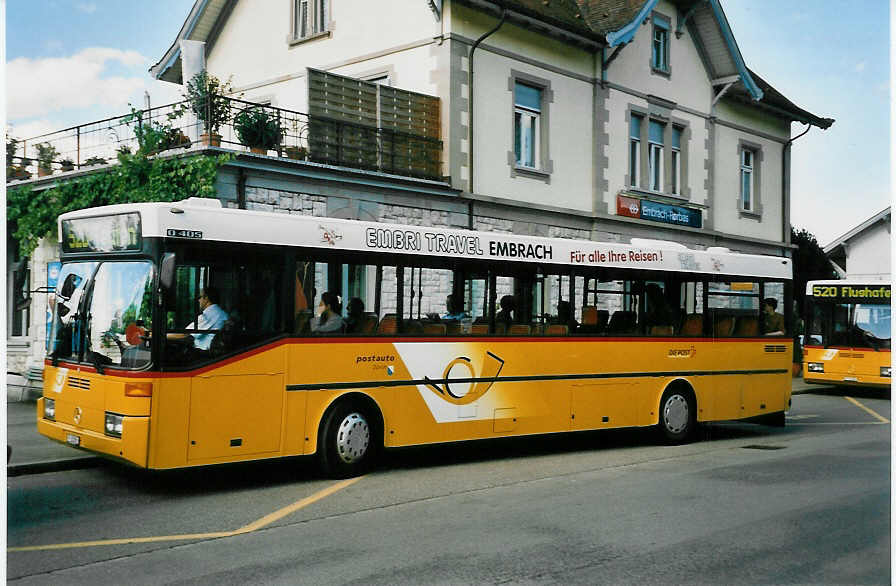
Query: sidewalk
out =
(32, 453)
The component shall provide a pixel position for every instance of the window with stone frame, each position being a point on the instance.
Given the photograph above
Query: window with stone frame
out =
(309, 18)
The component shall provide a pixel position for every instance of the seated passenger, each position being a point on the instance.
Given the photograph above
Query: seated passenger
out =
(505, 315)
(455, 310)
(328, 320)
(356, 318)
(564, 316)
(658, 313)
(772, 321)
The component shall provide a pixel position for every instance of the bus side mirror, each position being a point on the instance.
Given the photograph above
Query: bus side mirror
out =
(166, 274)
(69, 285)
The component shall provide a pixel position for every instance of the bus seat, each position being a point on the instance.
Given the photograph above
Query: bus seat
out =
(369, 325)
(480, 329)
(500, 328)
(520, 330)
(722, 326)
(661, 331)
(603, 317)
(388, 325)
(454, 328)
(693, 325)
(303, 322)
(431, 329)
(622, 322)
(589, 315)
(747, 327)
(412, 326)
(557, 330)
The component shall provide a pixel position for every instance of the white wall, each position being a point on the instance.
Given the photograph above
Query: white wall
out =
(868, 254)
(253, 47)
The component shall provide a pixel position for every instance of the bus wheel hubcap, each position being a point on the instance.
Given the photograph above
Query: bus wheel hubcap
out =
(352, 438)
(675, 414)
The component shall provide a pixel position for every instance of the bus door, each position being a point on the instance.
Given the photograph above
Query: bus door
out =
(236, 386)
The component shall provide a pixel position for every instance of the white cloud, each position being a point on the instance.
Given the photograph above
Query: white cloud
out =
(38, 87)
(88, 7)
(860, 66)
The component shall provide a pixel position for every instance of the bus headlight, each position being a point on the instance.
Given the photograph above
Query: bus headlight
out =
(816, 367)
(885, 371)
(50, 409)
(113, 424)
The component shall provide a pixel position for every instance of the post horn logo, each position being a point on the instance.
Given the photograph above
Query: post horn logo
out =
(467, 387)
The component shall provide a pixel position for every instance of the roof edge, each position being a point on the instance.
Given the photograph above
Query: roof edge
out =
(855, 231)
(627, 33)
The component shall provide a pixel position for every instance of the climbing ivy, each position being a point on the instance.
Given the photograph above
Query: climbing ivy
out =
(138, 178)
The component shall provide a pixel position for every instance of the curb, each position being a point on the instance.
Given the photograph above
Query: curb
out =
(52, 466)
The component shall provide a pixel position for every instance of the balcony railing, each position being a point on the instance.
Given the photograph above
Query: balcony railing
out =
(176, 128)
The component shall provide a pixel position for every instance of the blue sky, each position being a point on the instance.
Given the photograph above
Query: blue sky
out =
(74, 61)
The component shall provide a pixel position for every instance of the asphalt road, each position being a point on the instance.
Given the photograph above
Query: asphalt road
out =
(807, 503)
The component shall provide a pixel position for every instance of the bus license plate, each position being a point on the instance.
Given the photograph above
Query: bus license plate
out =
(73, 440)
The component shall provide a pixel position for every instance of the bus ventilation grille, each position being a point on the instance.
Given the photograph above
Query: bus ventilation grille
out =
(776, 348)
(79, 383)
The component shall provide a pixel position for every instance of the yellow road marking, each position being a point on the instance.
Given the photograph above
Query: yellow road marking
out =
(254, 526)
(880, 418)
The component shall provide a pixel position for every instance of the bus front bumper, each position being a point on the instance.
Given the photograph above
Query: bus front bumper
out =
(839, 378)
(131, 447)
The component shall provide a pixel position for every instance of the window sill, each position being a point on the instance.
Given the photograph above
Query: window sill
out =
(659, 194)
(294, 41)
(749, 214)
(531, 172)
(662, 72)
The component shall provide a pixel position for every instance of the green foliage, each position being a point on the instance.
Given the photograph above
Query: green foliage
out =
(95, 161)
(154, 136)
(45, 155)
(206, 96)
(255, 127)
(137, 179)
(809, 263)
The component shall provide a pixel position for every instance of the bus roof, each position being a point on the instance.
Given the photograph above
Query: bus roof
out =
(206, 219)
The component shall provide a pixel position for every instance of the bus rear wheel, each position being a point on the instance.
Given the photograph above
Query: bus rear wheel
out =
(347, 443)
(678, 415)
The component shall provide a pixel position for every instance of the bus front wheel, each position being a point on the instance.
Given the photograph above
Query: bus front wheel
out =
(347, 443)
(678, 415)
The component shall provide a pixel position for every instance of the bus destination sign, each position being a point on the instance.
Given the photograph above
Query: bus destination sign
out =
(115, 233)
(853, 293)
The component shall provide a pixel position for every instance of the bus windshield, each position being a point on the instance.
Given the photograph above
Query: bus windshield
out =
(849, 324)
(102, 315)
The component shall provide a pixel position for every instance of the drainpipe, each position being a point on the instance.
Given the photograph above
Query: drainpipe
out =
(470, 85)
(785, 184)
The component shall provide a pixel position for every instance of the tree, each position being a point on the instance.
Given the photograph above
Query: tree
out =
(809, 263)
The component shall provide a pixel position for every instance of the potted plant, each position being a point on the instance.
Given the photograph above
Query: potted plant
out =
(177, 139)
(45, 155)
(93, 161)
(298, 153)
(67, 164)
(206, 96)
(257, 129)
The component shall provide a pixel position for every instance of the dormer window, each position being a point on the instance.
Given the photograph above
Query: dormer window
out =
(659, 57)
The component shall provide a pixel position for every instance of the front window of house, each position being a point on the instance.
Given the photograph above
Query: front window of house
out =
(746, 179)
(655, 154)
(310, 18)
(660, 50)
(634, 150)
(675, 161)
(526, 122)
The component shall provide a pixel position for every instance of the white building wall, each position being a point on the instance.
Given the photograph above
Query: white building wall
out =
(726, 214)
(688, 83)
(254, 47)
(569, 135)
(868, 254)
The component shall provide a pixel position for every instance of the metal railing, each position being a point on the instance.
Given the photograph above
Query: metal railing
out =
(176, 127)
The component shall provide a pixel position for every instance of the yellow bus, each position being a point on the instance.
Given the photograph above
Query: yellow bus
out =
(847, 340)
(429, 335)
